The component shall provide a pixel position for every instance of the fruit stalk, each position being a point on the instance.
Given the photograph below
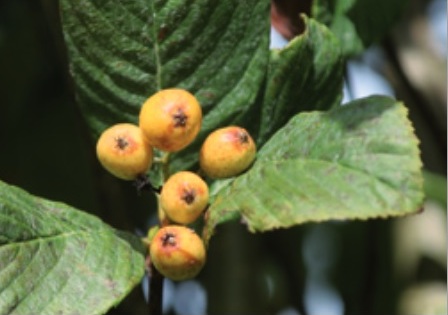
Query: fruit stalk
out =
(156, 279)
(155, 298)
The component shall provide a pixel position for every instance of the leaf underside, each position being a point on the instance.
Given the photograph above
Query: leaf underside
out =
(58, 260)
(358, 161)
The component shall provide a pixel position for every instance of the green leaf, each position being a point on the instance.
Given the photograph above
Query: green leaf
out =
(435, 187)
(57, 260)
(305, 75)
(357, 161)
(121, 52)
(358, 23)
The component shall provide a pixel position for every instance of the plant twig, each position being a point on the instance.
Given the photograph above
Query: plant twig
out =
(155, 295)
(155, 298)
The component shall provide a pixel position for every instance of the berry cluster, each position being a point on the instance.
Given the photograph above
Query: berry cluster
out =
(169, 121)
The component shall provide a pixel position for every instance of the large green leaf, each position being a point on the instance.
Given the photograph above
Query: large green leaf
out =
(121, 52)
(358, 23)
(357, 161)
(305, 75)
(57, 260)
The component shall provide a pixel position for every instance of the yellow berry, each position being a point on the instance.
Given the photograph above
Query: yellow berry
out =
(124, 151)
(184, 197)
(177, 252)
(171, 119)
(227, 152)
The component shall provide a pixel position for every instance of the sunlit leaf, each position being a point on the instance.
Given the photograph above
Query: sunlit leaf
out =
(358, 161)
(58, 260)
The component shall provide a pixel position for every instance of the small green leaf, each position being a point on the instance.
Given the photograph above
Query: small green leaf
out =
(358, 23)
(305, 75)
(357, 161)
(57, 260)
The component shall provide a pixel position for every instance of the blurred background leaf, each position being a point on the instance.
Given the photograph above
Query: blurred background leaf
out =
(435, 187)
(358, 23)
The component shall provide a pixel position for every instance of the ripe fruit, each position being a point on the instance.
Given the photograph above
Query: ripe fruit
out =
(123, 151)
(177, 252)
(184, 197)
(171, 119)
(227, 152)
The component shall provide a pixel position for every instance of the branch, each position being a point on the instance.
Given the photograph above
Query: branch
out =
(155, 292)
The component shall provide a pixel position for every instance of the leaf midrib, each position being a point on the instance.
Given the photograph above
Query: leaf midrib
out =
(47, 238)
